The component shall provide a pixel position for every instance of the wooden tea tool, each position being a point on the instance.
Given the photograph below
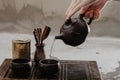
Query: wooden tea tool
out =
(39, 52)
(45, 33)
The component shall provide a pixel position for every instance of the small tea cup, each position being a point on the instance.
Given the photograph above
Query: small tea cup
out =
(21, 66)
(49, 66)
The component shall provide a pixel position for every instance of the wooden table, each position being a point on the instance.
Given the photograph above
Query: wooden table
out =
(70, 70)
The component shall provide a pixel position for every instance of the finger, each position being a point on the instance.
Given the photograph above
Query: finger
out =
(96, 14)
(76, 3)
(91, 14)
(71, 5)
(68, 16)
(68, 13)
(92, 3)
(83, 9)
(103, 2)
(75, 8)
(87, 15)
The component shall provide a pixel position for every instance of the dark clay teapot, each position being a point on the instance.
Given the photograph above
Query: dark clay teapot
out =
(74, 31)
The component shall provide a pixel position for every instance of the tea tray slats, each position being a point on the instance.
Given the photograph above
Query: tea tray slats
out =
(69, 70)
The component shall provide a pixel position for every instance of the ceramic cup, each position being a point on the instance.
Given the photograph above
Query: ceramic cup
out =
(49, 66)
(21, 66)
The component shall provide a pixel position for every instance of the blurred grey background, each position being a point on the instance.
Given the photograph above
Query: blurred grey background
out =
(22, 16)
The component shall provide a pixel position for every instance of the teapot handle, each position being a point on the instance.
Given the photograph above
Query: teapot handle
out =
(90, 20)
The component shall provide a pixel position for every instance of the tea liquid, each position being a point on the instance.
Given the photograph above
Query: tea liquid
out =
(51, 51)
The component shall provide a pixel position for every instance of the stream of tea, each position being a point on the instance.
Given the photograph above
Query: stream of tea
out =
(51, 51)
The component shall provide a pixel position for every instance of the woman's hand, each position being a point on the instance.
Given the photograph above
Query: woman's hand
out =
(91, 8)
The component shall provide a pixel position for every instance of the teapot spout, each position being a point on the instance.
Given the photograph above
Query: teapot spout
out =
(59, 37)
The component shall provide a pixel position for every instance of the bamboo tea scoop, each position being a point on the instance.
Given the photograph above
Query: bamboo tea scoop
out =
(45, 33)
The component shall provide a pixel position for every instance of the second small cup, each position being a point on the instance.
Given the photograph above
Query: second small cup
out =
(49, 66)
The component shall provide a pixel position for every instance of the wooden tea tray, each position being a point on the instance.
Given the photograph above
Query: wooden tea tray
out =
(70, 70)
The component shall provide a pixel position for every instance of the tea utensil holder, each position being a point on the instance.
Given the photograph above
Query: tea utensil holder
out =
(39, 53)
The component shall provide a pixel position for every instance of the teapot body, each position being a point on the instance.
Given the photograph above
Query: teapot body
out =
(74, 31)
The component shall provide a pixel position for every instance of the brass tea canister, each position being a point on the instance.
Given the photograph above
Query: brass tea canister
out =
(21, 49)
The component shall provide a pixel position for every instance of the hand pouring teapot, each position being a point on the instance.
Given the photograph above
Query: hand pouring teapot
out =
(74, 31)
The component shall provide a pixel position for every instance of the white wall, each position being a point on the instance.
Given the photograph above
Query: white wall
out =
(22, 16)
(109, 22)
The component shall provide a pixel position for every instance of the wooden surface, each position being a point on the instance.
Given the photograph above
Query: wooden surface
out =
(69, 70)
